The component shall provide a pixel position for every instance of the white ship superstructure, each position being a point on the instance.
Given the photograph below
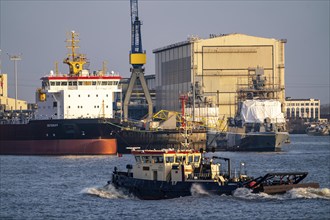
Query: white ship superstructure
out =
(65, 97)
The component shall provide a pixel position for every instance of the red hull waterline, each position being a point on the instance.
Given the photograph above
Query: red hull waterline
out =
(59, 147)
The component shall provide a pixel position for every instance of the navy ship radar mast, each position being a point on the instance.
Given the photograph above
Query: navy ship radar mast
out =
(137, 59)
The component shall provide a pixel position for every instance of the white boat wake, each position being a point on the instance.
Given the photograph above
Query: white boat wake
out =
(108, 192)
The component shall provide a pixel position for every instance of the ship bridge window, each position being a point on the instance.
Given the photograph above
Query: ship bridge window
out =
(58, 83)
(70, 83)
(138, 159)
(104, 83)
(94, 83)
(169, 159)
(64, 83)
(80, 83)
(74, 83)
(157, 159)
(52, 83)
(44, 84)
(110, 83)
(145, 159)
(179, 159)
(196, 159)
(190, 159)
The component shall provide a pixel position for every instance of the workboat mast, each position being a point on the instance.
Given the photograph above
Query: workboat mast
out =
(184, 126)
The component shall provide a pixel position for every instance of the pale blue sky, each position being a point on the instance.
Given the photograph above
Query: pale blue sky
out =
(37, 29)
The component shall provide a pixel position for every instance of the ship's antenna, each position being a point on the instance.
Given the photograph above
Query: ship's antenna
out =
(74, 59)
(104, 68)
(56, 68)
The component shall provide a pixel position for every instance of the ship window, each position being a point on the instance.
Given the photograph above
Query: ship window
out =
(196, 159)
(80, 83)
(104, 83)
(179, 159)
(78, 95)
(52, 83)
(190, 159)
(169, 159)
(138, 159)
(97, 95)
(64, 83)
(88, 95)
(54, 104)
(68, 95)
(106, 106)
(110, 83)
(58, 83)
(94, 83)
(145, 159)
(157, 159)
(106, 95)
(70, 83)
(75, 83)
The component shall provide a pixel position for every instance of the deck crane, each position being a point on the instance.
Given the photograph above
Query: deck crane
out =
(137, 59)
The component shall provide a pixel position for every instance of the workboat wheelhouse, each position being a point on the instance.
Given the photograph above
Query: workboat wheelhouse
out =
(176, 165)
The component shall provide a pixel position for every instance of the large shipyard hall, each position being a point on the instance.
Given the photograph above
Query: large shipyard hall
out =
(216, 70)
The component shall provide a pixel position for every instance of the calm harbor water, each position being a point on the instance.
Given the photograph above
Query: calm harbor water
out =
(72, 187)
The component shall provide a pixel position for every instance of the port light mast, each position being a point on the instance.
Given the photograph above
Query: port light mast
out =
(137, 59)
(15, 58)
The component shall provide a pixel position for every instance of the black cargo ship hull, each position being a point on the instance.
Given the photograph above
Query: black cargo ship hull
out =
(59, 137)
(85, 137)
